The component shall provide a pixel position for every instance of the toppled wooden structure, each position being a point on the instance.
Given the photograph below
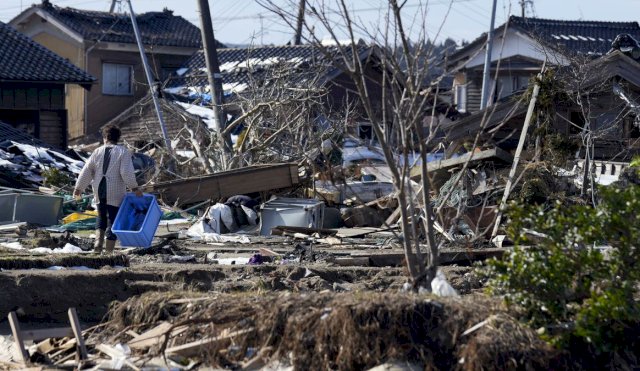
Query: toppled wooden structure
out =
(247, 180)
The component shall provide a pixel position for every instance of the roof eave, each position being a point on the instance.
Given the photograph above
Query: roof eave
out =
(17, 20)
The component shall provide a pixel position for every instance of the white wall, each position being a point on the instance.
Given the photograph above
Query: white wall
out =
(516, 44)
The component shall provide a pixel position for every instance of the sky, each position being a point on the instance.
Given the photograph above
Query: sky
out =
(246, 22)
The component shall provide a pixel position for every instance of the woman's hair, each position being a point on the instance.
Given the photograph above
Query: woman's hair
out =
(111, 133)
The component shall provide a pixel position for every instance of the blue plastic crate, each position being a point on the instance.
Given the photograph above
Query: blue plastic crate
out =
(137, 220)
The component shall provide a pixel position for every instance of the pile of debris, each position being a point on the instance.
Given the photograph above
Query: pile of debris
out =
(237, 331)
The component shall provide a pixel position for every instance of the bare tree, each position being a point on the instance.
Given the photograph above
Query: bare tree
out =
(396, 106)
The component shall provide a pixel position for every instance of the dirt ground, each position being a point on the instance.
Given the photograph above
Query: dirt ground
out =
(41, 297)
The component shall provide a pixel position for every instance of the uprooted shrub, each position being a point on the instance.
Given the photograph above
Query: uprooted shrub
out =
(576, 278)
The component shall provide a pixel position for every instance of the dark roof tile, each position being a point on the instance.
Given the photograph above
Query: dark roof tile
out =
(581, 37)
(22, 59)
(157, 28)
(570, 37)
(255, 64)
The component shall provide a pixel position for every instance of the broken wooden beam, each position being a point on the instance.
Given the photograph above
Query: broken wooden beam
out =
(283, 230)
(493, 154)
(193, 348)
(224, 184)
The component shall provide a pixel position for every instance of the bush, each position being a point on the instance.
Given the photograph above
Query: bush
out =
(566, 285)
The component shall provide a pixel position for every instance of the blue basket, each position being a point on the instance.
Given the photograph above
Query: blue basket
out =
(137, 220)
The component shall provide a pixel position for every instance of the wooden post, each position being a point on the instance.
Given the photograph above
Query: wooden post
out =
(17, 337)
(516, 158)
(77, 331)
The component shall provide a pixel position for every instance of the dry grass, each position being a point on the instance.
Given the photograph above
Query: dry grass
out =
(345, 331)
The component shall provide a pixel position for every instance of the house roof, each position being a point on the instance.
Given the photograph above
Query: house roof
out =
(22, 59)
(493, 116)
(244, 67)
(157, 28)
(613, 66)
(139, 123)
(570, 37)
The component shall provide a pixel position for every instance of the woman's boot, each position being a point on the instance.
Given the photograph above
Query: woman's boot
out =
(110, 245)
(97, 246)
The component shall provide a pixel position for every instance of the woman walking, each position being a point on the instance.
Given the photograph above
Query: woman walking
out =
(110, 171)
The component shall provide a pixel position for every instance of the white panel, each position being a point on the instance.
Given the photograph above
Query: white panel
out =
(116, 79)
(515, 44)
(109, 78)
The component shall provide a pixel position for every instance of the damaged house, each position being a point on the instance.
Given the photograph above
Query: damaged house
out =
(141, 130)
(520, 48)
(33, 81)
(103, 44)
(262, 73)
(600, 104)
(586, 108)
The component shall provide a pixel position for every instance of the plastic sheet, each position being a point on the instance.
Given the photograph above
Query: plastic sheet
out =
(441, 287)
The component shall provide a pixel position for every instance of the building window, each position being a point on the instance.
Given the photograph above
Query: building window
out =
(460, 98)
(116, 79)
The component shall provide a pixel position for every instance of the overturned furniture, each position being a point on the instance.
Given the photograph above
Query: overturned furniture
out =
(247, 180)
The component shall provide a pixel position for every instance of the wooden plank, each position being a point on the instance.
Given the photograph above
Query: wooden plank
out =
(159, 330)
(148, 341)
(77, 331)
(358, 231)
(17, 336)
(282, 230)
(64, 348)
(475, 156)
(66, 358)
(268, 252)
(194, 348)
(116, 354)
(213, 187)
(394, 217)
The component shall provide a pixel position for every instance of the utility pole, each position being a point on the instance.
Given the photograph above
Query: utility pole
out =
(523, 7)
(213, 68)
(150, 79)
(486, 77)
(113, 5)
(298, 36)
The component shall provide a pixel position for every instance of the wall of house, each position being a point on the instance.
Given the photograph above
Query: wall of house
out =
(36, 108)
(515, 44)
(101, 107)
(73, 52)
(344, 94)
